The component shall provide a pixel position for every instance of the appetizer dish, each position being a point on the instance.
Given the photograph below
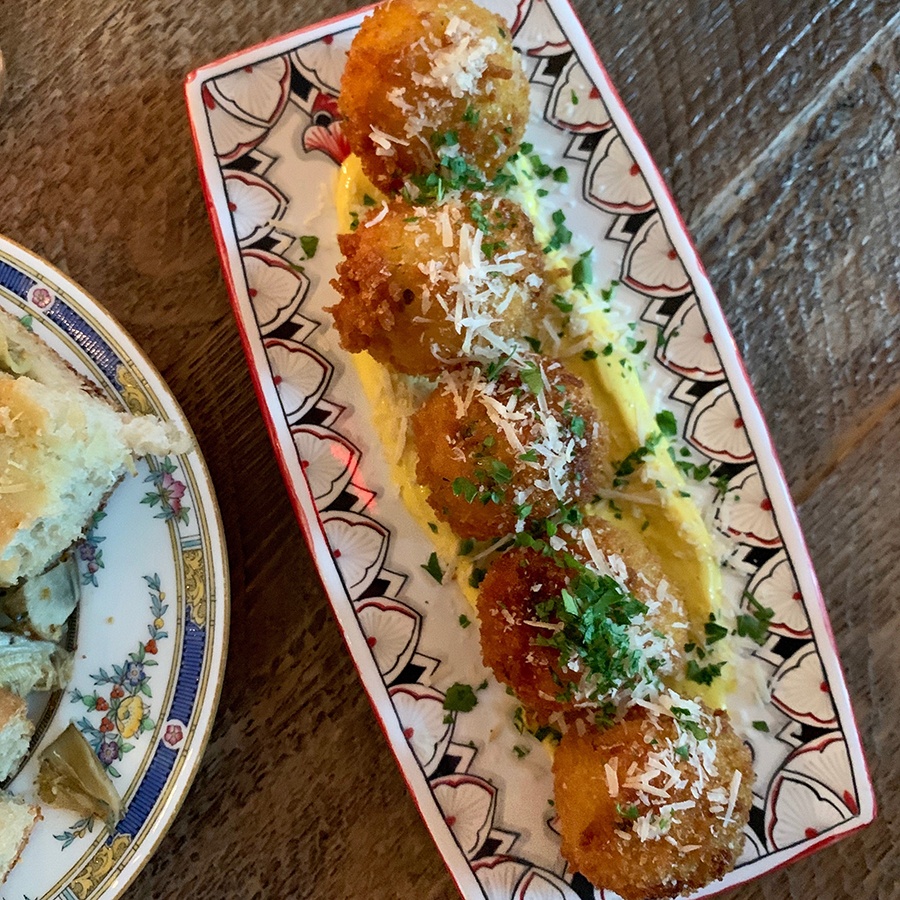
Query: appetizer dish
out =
(525, 455)
(79, 733)
(460, 282)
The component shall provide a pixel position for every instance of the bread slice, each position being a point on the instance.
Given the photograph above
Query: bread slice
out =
(16, 730)
(63, 447)
(17, 819)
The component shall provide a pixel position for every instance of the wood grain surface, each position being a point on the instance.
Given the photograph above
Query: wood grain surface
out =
(776, 124)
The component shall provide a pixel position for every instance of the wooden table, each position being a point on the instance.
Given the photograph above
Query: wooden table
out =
(776, 124)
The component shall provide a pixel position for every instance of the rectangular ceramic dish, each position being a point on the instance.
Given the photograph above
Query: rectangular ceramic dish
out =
(269, 143)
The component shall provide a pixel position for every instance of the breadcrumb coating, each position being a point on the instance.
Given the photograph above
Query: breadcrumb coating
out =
(558, 669)
(495, 455)
(427, 287)
(425, 79)
(650, 808)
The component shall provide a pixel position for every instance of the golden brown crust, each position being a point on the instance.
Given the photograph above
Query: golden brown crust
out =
(505, 603)
(521, 579)
(419, 69)
(599, 833)
(468, 445)
(399, 276)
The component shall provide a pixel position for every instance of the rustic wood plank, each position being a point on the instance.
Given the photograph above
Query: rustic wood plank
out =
(298, 795)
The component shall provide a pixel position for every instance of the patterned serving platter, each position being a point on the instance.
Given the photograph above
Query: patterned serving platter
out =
(152, 625)
(269, 142)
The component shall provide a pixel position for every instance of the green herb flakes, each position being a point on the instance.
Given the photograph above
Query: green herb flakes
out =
(460, 698)
(433, 568)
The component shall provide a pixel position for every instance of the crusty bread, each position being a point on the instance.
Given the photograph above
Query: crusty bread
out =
(16, 730)
(63, 447)
(17, 819)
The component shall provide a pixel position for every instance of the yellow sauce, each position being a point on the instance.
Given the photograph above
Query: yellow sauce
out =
(670, 524)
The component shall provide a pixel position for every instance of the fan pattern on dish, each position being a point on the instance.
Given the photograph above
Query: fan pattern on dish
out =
(711, 423)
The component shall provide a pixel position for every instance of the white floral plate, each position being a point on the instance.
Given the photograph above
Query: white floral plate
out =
(268, 138)
(153, 621)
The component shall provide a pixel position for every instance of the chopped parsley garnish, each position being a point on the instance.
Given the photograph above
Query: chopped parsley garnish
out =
(495, 367)
(635, 459)
(755, 624)
(588, 355)
(693, 728)
(523, 510)
(582, 273)
(714, 631)
(464, 621)
(561, 235)
(452, 173)
(561, 175)
(433, 568)
(636, 346)
(504, 180)
(466, 488)
(354, 221)
(521, 752)
(665, 422)
(529, 455)
(471, 115)
(562, 304)
(445, 138)
(577, 426)
(595, 612)
(460, 698)
(368, 201)
(498, 470)
(541, 169)
(476, 577)
(704, 674)
(466, 547)
(534, 343)
(759, 725)
(531, 377)
(627, 812)
(309, 243)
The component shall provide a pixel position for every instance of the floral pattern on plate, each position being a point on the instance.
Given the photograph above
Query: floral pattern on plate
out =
(152, 623)
(406, 626)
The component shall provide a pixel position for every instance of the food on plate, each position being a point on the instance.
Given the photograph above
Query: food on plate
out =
(71, 776)
(655, 805)
(524, 422)
(505, 446)
(584, 629)
(428, 79)
(30, 665)
(39, 607)
(426, 286)
(63, 448)
(16, 730)
(17, 819)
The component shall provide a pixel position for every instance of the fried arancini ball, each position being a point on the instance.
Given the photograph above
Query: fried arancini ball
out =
(626, 635)
(426, 287)
(650, 807)
(494, 455)
(430, 77)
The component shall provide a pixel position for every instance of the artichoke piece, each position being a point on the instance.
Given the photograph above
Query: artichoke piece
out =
(27, 665)
(40, 606)
(72, 777)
